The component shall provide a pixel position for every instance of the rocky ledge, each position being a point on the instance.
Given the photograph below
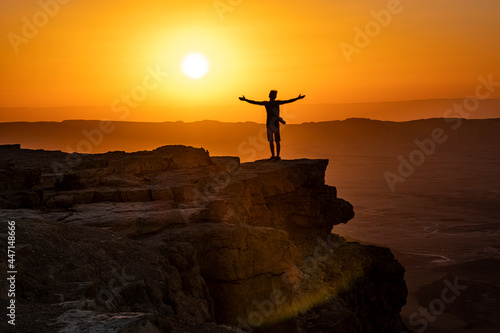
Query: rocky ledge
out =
(174, 240)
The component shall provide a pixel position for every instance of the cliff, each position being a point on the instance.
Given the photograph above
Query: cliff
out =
(174, 240)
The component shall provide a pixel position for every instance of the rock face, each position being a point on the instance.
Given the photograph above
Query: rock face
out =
(173, 240)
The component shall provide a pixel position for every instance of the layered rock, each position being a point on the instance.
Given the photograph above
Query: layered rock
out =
(176, 240)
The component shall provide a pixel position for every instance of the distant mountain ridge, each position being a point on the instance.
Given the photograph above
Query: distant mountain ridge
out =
(248, 140)
(294, 114)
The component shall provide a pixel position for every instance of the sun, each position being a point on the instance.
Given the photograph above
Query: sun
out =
(195, 65)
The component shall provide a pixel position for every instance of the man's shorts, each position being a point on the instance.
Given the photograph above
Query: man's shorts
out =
(273, 133)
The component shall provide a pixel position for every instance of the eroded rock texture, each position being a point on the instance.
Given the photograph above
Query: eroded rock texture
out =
(173, 240)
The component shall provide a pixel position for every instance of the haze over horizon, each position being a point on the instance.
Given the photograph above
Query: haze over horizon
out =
(296, 114)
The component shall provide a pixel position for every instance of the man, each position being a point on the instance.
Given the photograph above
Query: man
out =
(273, 120)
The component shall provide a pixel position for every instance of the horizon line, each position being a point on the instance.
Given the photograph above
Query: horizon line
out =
(237, 122)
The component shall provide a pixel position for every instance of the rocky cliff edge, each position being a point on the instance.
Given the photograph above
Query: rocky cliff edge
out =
(174, 240)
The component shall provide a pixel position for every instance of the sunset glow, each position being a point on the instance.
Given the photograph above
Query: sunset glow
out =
(72, 53)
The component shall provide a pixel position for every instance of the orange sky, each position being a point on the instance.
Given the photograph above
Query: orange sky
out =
(81, 53)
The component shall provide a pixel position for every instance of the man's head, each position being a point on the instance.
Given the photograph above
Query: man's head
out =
(273, 94)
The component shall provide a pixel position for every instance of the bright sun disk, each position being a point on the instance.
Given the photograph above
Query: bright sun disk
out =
(195, 65)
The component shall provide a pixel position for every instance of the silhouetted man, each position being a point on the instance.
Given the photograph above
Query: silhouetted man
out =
(273, 120)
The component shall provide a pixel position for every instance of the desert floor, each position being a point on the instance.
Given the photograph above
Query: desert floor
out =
(442, 223)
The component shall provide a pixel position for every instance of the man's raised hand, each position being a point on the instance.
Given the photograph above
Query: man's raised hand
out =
(243, 98)
(301, 96)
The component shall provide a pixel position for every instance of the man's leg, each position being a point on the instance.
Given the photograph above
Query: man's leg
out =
(271, 145)
(277, 138)
(270, 138)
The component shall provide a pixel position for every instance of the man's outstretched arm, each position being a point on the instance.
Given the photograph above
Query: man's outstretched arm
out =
(251, 102)
(292, 100)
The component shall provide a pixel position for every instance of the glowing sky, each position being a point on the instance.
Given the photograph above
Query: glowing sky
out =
(92, 53)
